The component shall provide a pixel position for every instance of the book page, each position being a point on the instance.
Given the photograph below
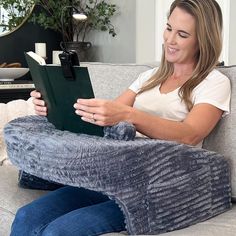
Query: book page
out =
(36, 57)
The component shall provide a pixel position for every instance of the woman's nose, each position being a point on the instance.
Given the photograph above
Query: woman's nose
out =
(171, 38)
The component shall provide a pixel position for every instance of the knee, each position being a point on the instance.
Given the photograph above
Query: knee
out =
(26, 222)
(22, 224)
(50, 230)
(65, 228)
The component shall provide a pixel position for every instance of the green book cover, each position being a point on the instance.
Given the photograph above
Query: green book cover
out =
(60, 94)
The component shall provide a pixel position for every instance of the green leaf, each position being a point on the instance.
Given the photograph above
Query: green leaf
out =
(99, 12)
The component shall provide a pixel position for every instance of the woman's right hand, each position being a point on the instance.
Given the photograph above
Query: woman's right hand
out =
(39, 104)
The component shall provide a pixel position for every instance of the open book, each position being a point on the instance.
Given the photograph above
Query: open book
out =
(60, 94)
(36, 57)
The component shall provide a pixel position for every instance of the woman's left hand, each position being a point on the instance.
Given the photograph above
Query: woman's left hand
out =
(102, 112)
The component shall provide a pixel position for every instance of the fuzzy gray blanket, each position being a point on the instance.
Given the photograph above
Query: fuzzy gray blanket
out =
(159, 185)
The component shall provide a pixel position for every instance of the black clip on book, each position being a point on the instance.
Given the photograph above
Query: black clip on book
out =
(68, 60)
(61, 92)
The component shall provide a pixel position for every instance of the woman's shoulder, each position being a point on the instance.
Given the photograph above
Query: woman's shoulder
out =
(215, 89)
(143, 77)
(149, 72)
(214, 78)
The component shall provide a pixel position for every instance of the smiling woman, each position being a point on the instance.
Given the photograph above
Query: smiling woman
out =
(13, 14)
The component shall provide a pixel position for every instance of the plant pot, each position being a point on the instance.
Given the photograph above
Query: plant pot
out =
(82, 49)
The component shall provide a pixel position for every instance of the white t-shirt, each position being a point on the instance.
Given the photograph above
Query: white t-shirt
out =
(214, 90)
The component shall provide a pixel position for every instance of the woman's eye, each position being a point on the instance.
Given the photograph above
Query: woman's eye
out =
(183, 35)
(168, 28)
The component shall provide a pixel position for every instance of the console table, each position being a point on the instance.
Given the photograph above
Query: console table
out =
(15, 90)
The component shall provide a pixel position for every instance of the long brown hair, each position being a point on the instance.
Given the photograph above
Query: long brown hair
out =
(208, 16)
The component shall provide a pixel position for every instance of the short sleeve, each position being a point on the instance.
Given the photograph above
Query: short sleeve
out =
(142, 78)
(214, 90)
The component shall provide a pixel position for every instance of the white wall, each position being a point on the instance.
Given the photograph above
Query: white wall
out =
(135, 40)
(232, 34)
(225, 8)
(122, 48)
(145, 31)
(161, 12)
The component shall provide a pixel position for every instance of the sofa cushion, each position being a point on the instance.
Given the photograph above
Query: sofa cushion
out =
(223, 138)
(12, 197)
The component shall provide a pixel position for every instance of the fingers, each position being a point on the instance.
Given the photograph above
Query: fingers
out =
(94, 121)
(91, 110)
(39, 104)
(86, 107)
(39, 107)
(90, 116)
(40, 113)
(83, 112)
(35, 94)
(94, 102)
(82, 109)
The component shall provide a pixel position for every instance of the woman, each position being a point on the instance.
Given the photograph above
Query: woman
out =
(182, 100)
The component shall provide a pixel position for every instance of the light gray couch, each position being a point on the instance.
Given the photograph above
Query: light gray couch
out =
(221, 140)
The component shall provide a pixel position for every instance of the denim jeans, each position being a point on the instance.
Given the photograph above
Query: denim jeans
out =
(69, 211)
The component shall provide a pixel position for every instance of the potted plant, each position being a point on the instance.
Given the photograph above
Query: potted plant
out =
(13, 13)
(58, 17)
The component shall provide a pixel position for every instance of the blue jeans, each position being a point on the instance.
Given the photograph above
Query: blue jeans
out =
(69, 211)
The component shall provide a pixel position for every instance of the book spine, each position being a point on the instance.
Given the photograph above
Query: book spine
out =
(49, 86)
